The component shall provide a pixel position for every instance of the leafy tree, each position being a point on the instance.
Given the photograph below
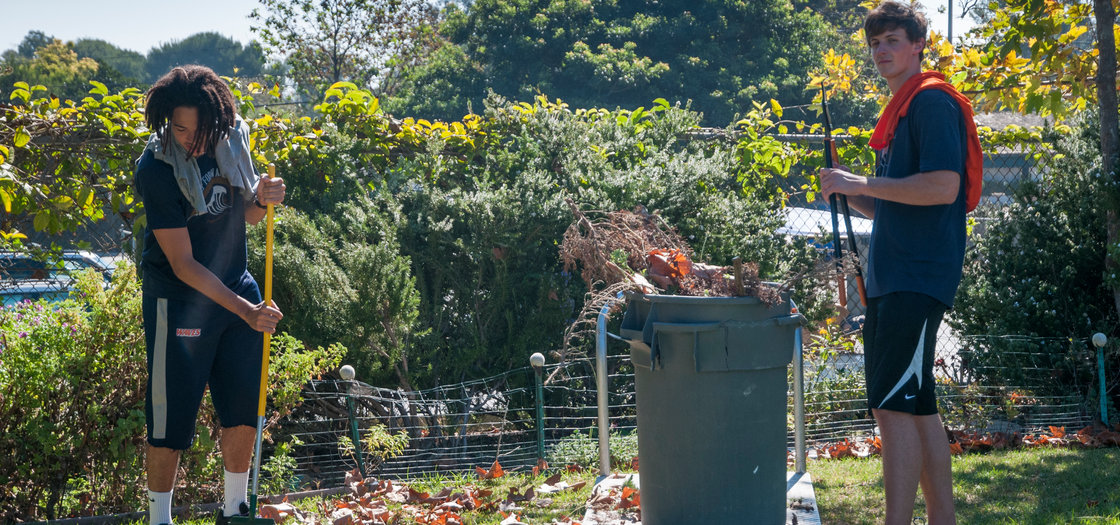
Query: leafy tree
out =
(220, 53)
(32, 42)
(717, 53)
(55, 66)
(1058, 75)
(1038, 57)
(328, 41)
(127, 64)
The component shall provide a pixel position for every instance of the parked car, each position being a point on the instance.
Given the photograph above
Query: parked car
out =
(23, 276)
(12, 293)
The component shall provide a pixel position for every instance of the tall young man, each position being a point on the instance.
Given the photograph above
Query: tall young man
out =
(203, 313)
(926, 179)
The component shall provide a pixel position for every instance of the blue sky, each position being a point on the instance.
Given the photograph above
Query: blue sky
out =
(140, 25)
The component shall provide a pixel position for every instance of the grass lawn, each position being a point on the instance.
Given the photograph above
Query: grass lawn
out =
(1043, 486)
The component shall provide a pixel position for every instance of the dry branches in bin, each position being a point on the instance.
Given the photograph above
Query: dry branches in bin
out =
(641, 250)
(637, 251)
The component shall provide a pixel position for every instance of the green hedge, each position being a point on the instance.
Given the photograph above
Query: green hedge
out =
(72, 379)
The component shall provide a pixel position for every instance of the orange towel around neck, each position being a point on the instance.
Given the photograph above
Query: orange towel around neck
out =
(900, 104)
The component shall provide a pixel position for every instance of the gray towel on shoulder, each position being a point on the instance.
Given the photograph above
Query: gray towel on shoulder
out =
(232, 155)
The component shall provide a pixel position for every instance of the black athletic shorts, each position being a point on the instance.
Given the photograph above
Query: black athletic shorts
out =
(899, 343)
(191, 345)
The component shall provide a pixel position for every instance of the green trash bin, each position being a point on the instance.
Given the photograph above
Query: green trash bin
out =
(711, 395)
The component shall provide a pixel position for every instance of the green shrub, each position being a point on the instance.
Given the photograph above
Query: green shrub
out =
(1038, 272)
(583, 450)
(72, 379)
(378, 446)
(339, 279)
(72, 401)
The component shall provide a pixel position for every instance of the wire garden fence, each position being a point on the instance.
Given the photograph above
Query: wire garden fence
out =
(454, 429)
(985, 384)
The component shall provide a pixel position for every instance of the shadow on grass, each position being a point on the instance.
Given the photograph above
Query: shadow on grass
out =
(1021, 487)
(1041, 487)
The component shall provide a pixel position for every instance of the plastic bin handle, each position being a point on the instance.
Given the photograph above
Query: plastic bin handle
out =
(680, 328)
(781, 320)
(696, 329)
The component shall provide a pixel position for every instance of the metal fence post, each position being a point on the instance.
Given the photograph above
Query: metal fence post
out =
(537, 362)
(347, 373)
(799, 450)
(601, 380)
(1100, 340)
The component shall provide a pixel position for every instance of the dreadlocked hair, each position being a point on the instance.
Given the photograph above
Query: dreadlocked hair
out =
(191, 86)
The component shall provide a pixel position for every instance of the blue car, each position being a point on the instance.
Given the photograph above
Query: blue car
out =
(24, 277)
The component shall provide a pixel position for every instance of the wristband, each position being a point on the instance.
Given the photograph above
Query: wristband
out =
(258, 204)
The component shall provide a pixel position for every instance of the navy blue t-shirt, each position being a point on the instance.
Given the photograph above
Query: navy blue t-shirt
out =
(921, 248)
(217, 237)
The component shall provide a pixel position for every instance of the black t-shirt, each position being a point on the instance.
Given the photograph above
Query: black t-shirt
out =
(217, 237)
(921, 248)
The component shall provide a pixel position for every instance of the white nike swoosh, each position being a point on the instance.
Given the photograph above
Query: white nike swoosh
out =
(909, 397)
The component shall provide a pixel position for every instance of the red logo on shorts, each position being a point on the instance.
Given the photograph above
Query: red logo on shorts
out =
(188, 332)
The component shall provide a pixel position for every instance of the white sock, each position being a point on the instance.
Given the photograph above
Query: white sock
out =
(237, 484)
(159, 507)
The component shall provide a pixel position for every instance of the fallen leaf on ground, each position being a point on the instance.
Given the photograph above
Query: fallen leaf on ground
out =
(494, 472)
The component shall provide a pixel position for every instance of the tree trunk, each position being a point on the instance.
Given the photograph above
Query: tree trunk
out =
(1110, 131)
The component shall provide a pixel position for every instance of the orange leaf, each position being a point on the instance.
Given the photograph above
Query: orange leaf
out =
(494, 472)
(541, 466)
(1058, 432)
(955, 449)
(670, 263)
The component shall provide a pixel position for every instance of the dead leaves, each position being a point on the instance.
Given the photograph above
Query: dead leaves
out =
(495, 471)
(383, 502)
(962, 442)
(280, 512)
(849, 449)
(614, 500)
(666, 265)
(540, 467)
(368, 503)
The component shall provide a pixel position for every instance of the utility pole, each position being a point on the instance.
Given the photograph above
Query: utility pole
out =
(949, 3)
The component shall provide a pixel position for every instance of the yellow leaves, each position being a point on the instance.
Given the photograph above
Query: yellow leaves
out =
(98, 88)
(21, 138)
(1073, 34)
(12, 235)
(63, 202)
(944, 48)
(838, 72)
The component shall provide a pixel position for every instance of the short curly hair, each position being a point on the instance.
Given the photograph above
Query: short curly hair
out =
(191, 86)
(892, 15)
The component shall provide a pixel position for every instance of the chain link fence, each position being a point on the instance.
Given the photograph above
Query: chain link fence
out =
(459, 427)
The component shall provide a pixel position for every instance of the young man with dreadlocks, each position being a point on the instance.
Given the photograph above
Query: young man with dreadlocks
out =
(927, 177)
(203, 313)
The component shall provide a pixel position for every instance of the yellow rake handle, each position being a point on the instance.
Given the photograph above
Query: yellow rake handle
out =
(267, 296)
